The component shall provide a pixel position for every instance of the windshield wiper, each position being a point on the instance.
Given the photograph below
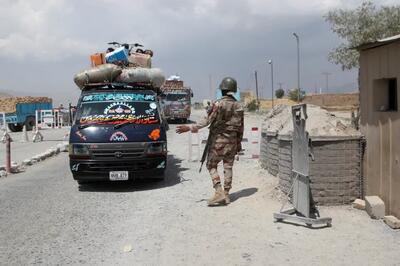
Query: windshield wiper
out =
(123, 124)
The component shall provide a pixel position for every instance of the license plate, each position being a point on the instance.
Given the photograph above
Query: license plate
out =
(119, 175)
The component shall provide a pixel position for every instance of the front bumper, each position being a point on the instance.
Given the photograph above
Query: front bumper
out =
(99, 170)
(178, 115)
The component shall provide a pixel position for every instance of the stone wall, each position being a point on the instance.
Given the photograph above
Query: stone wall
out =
(334, 102)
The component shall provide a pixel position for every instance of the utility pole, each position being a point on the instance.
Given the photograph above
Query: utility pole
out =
(258, 102)
(298, 65)
(327, 74)
(272, 81)
(280, 85)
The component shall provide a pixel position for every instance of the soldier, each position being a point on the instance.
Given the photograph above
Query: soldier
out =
(226, 132)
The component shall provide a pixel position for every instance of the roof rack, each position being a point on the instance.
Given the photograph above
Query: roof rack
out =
(116, 85)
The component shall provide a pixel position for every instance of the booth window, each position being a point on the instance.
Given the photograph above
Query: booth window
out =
(385, 95)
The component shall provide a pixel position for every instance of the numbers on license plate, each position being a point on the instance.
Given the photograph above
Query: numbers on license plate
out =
(119, 175)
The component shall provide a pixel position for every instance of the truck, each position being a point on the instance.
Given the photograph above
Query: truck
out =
(20, 111)
(118, 134)
(176, 100)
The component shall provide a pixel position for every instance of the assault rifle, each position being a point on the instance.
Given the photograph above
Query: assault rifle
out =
(206, 149)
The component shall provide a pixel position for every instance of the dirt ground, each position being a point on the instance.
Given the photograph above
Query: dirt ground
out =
(46, 218)
(244, 233)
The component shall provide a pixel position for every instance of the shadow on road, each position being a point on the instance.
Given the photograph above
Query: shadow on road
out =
(172, 177)
(247, 192)
(313, 227)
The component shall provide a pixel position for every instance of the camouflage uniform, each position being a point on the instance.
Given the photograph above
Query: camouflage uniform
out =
(226, 127)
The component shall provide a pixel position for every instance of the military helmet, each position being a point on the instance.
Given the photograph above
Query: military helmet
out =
(228, 84)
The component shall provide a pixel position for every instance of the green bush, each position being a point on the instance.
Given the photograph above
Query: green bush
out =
(294, 93)
(279, 93)
(252, 106)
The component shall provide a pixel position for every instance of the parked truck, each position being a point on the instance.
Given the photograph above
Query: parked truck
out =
(176, 100)
(20, 111)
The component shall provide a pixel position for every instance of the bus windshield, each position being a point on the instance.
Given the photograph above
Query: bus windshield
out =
(114, 108)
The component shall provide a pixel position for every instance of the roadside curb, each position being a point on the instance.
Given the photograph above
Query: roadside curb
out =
(51, 152)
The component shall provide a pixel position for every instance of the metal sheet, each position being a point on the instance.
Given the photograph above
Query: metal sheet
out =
(301, 161)
(301, 195)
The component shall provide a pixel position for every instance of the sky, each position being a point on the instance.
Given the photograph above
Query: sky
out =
(44, 43)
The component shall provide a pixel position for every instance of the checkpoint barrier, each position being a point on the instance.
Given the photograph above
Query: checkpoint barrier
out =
(44, 119)
(52, 118)
(194, 147)
(6, 139)
(3, 122)
(255, 141)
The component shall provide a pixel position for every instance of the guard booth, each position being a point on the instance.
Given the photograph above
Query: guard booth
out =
(380, 119)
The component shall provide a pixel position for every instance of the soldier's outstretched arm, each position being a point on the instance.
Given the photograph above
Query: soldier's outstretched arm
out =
(203, 122)
(206, 120)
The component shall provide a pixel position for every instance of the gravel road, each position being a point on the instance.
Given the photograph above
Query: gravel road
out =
(45, 218)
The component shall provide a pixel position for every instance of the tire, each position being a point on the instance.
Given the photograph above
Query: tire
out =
(15, 127)
(81, 182)
(30, 123)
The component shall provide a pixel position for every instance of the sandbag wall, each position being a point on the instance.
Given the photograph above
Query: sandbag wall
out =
(335, 174)
(269, 154)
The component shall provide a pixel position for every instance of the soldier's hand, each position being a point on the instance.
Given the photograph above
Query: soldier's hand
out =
(182, 129)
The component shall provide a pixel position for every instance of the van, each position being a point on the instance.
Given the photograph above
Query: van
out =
(118, 134)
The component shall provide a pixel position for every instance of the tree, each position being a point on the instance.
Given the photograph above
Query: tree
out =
(279, 93)
(252, 106)
(367, 23)
(292, 94)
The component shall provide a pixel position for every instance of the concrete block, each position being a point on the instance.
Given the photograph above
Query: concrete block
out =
(375, 207)
(27, 162)
(359, 204)
(36, 157)
(392, 221)
(16, 168)
(50, 152)
(43, 156)
(63, 146)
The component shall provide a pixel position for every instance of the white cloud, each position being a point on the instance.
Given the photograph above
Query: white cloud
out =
(55, 29)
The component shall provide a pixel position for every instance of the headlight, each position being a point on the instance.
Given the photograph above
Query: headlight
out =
(78, 149)
(156, 148)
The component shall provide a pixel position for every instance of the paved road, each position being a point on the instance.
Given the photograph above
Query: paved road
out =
(45, 218)
(25, 150)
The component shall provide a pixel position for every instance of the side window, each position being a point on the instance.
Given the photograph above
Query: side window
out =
(385, 95)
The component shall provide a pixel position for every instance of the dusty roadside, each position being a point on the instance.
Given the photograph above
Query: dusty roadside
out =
(47, 219)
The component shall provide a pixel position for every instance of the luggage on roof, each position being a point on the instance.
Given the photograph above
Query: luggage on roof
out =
(140, 60)
(154, 76)
(97, 59)
(99, 74)
(118, 55)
